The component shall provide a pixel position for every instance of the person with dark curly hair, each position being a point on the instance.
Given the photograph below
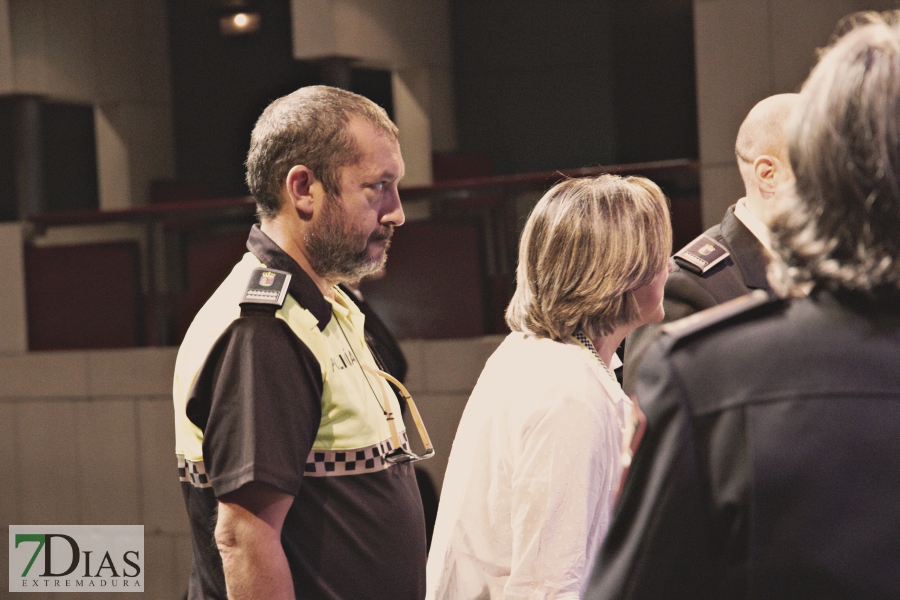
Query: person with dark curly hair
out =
(770, 463)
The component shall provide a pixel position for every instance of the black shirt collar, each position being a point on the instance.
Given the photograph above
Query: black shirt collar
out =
(746, 250)
(302, 287)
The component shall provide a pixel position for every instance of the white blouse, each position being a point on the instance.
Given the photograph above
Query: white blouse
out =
(529, 488)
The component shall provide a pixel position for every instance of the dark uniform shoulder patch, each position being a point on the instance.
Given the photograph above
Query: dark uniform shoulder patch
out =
(267, 287)
(701, 255)
(705, 318)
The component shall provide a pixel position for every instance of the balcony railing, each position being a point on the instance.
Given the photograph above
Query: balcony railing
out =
(137, 277)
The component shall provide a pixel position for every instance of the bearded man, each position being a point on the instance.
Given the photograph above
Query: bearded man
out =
(296, 481)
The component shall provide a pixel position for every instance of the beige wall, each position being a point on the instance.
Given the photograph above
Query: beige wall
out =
(442, 374)
(112, 54)
(88, 438)
(747, 50)
(13, 318)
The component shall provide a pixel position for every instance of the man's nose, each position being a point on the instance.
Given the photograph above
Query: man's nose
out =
(393, 211)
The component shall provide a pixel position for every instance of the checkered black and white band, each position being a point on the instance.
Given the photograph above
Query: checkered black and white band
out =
(321, 463)
(328, 463)
(192, 472)
(587, 343)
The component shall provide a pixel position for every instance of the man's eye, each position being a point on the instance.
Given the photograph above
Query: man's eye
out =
(380, 186)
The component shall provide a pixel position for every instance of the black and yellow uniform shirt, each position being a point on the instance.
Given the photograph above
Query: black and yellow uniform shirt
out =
(285, 401)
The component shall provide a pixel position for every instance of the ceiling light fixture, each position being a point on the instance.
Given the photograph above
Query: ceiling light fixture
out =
(240, 23)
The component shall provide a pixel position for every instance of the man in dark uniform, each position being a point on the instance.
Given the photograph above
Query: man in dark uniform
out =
(770, 464)
(292, 466)
(729, 259)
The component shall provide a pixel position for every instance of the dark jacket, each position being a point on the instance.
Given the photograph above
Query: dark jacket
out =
(686, 293)
(770, 465)
(381, 341)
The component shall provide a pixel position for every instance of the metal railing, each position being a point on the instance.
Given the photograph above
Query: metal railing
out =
(497, 206)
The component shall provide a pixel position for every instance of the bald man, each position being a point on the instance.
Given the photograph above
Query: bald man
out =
(729, 259)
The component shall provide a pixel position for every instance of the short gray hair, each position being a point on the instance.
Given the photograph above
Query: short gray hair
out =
(307, 127)
(587, 245)
(838, 229)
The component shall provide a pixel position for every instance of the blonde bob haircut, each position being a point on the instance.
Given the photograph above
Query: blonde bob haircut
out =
(587, 245)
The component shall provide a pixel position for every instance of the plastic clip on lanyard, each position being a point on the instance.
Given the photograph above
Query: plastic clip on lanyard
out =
(399, 454)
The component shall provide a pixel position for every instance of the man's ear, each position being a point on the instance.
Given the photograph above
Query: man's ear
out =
(764, 172)
(299, 183)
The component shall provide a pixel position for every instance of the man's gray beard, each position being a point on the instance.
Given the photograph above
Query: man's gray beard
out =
(331, 249)
(336, 261)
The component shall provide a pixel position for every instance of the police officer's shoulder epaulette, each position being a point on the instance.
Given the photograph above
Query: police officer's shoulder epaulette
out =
(266, 291)
(701, 255)
(698, 321)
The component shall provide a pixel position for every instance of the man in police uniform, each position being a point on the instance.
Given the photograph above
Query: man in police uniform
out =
(770, 465)
(283, 439)
(728, 260)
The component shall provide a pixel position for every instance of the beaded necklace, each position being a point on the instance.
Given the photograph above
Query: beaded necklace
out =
(584, 341)
(626, 453)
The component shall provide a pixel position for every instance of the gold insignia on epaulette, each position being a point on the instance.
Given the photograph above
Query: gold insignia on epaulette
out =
(702, 254)
(267, 286)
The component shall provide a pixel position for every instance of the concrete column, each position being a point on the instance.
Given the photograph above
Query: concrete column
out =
(28, 160)
(113, 164)
(442, 110)
(13, 318)
(336, 71)
(6, 62)
(412, 117)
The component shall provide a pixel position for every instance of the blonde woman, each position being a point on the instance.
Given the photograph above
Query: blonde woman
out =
(528, 493)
